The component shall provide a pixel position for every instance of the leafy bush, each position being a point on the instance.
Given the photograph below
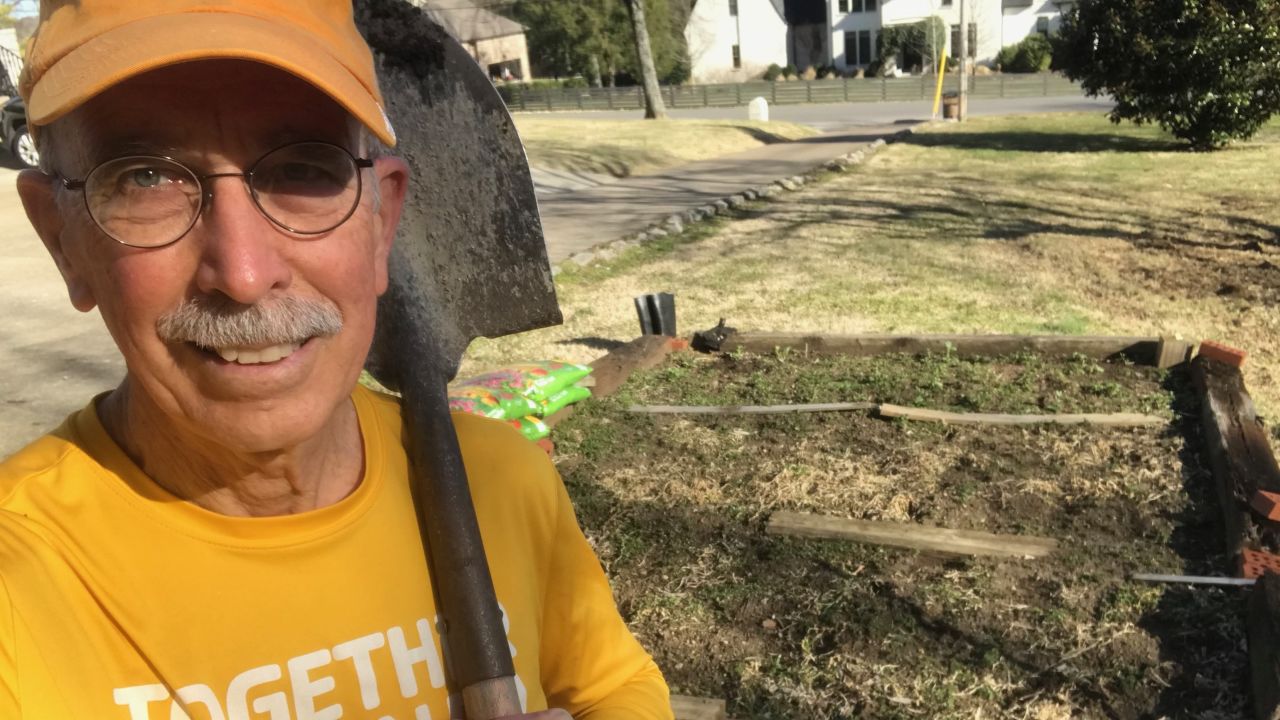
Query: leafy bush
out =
(1033, 54)
(773, 72)
(1207, 71)
(789, 70)
(875, 69)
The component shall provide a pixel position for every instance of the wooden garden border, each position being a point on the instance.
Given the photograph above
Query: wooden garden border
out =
(1244, 467)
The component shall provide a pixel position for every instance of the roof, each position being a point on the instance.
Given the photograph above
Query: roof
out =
(468, 23)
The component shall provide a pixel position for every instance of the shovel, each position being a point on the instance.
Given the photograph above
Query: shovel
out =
(469, 261)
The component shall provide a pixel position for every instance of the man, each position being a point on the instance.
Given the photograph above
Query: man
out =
(229, 533)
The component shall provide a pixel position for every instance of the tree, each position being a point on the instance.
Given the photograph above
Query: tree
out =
(1207, 71)
(654, 108)
(596, 39)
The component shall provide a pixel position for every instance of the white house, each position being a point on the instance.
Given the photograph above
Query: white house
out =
(855, 25)
(735, 40)
(495, 42)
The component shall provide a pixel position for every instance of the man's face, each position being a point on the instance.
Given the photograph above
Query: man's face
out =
(216, 117)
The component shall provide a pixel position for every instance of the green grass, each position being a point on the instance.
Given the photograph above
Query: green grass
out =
(1043, 224)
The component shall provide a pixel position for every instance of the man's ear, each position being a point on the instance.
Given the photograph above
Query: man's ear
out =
(36, 190)
(392, 176)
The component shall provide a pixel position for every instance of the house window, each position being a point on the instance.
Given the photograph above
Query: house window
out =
(737, 57)
(857, 48)
(869, 6)
(864, 47)
(946, 3)
(1042, 26)
(973, 40)
(733, 8)
(844, 6)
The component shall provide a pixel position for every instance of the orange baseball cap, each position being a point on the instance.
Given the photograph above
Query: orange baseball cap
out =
(83, 47)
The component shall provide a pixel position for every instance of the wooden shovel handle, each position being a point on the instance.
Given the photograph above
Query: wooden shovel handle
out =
(490, 699)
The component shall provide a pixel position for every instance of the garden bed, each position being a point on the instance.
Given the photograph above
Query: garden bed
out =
(677, 507)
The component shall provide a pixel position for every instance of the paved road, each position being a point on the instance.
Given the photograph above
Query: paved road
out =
(54, 358)
(581, 212)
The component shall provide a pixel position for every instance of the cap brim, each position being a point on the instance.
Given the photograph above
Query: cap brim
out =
(159, 41)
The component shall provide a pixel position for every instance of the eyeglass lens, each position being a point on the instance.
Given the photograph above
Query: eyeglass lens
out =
(306, 188)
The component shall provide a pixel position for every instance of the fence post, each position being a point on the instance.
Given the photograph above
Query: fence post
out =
(608, 94)
(1002, 84)
(640, 96)
(523, 106)
(579, 100)
(737, 89)
(704, 97)
(773, 97)
(548, 91)
(1046, 84)
(884, 88)
(846, 89)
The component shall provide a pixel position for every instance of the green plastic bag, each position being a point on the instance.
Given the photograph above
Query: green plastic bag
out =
(531, 427)
(563, 399)
(537, 381)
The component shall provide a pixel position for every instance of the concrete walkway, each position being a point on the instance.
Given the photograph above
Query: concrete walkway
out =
(577, 220)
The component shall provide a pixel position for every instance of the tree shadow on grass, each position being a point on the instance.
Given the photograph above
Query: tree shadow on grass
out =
(1047, 142)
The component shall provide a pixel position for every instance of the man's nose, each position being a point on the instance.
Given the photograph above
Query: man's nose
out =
(240, 248)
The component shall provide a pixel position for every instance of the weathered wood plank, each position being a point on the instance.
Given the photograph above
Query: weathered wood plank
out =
(1240, 455)
(686, 707)
(910, 535)
(612, 369)
(750, 409)
(954, 418)
(1138, 349)
(1263, 630)
(1172, 352)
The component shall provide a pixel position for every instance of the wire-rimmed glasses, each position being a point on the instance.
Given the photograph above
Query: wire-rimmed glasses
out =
(305, 188)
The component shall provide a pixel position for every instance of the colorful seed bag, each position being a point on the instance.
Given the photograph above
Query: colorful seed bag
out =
(563, 399)
(536, 380)
(510, 405)
(531, 427)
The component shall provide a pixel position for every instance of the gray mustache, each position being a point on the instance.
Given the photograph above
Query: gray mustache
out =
(218, 322)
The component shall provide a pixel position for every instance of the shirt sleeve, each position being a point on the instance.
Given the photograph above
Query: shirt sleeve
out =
(593, 666)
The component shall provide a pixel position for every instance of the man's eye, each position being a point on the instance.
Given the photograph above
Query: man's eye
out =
(301, 172)
(149, 177)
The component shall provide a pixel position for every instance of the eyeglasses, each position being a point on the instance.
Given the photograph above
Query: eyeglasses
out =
(306, 188)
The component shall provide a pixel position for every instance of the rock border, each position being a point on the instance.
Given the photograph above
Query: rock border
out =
(679, 222)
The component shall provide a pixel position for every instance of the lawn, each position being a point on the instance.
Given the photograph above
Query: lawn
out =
(1040, 224)
(785, 627)
(629, 147)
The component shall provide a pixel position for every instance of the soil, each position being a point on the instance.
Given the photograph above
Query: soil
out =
(787, 628)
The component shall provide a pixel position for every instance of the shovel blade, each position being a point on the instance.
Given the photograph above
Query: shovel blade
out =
(470, 245)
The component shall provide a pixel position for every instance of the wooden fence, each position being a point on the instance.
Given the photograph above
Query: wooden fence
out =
(520, 97)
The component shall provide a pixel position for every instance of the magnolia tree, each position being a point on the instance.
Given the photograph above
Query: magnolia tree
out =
(1207, 71)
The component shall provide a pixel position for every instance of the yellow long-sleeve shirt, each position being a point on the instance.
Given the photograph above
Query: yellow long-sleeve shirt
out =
(119, 600)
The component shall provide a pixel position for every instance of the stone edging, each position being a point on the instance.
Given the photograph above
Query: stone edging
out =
(679, 222)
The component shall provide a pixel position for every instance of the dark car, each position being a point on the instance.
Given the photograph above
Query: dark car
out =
(14, 135)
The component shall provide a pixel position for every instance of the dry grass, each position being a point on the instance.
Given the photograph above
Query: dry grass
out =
(1037, 224)
(630, 147)
(791, 628)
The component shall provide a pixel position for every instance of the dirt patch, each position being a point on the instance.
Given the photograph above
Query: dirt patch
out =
(782, 627)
